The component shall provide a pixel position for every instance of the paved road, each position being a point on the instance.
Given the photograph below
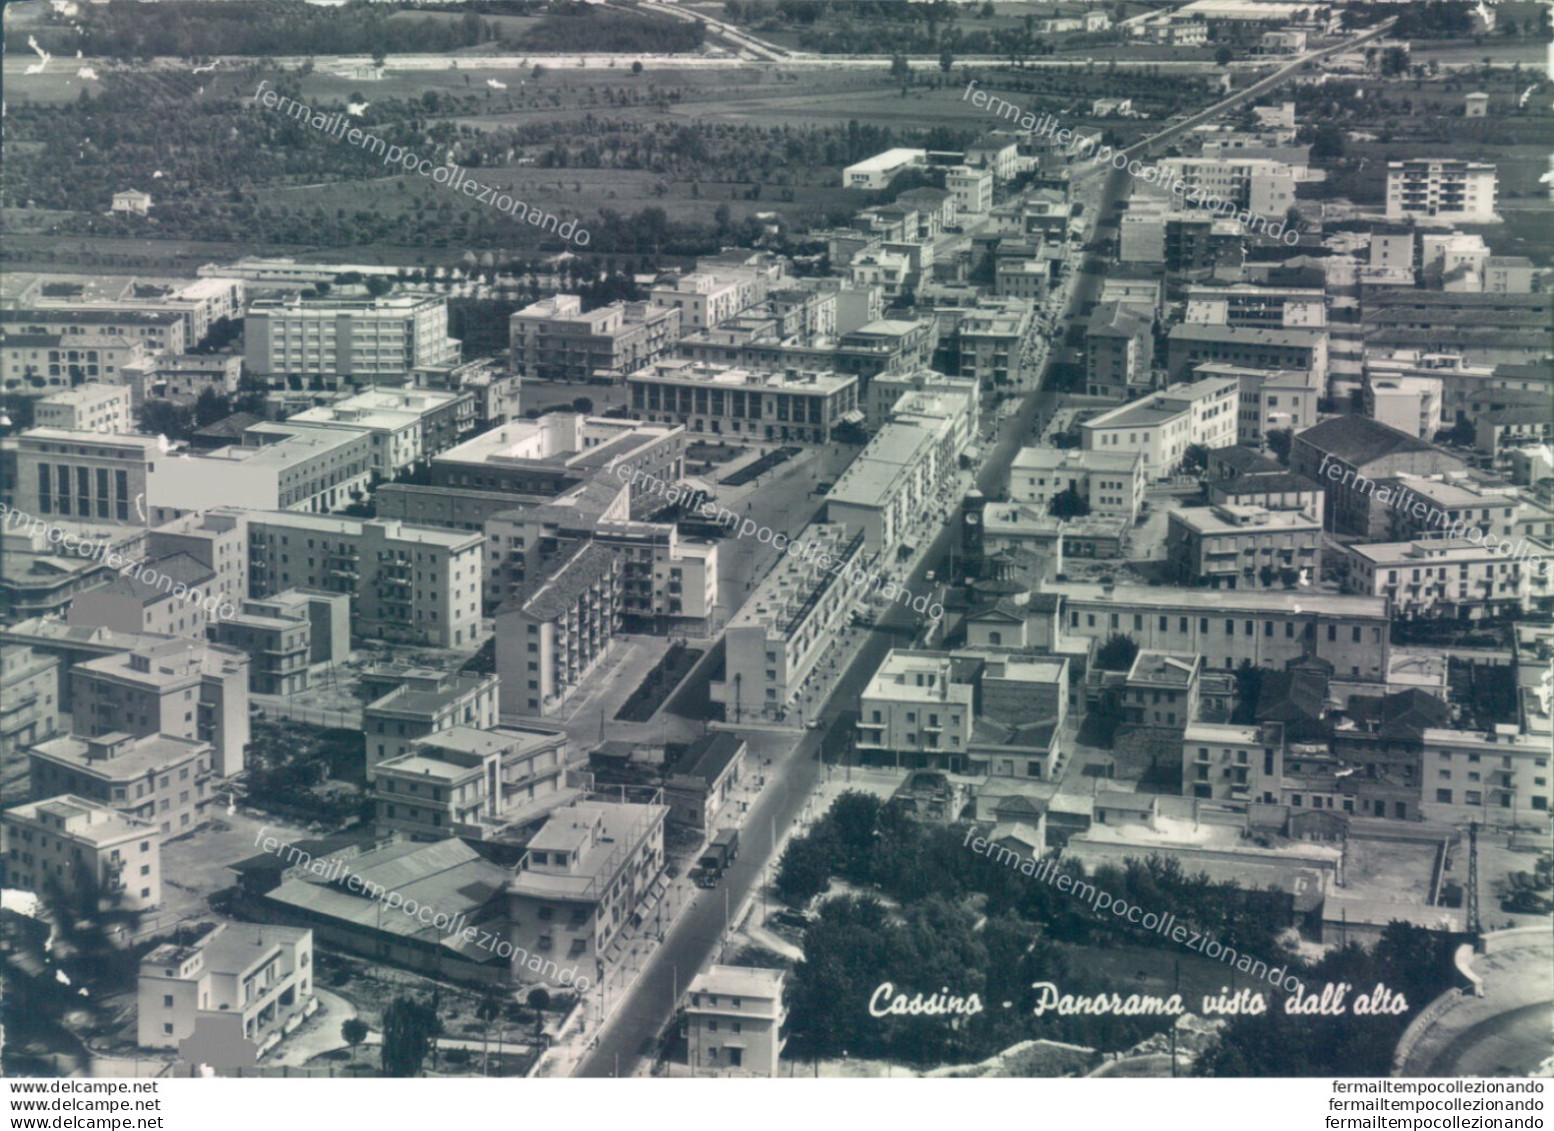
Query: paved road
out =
(1513, 1044)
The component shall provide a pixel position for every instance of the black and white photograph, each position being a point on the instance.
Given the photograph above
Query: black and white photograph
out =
(824, 541)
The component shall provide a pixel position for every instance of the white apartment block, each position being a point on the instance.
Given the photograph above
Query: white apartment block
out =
(243, 981)
(1500, 777)
(893, 484)
(786, 624)
(734, 1017)
(876, 172)
(1255, 185)
(87, 408)
(1161, 426)
(1271, 400)
(705, 299)
(160, 331)
(410, 584)
(554, 339)
(341, 338)
(1409, 404)
(1446, 577)
(183, 688)
(407, 427)
(1446, 188)
(426, 703)
(82, 847)
(917, 703)
(1110, 483)
(157, 778)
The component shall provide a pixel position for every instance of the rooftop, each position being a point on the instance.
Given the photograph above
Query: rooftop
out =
(1236, 601)
(1359, 440)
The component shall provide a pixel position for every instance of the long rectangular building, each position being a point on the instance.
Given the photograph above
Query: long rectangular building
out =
(790, 404)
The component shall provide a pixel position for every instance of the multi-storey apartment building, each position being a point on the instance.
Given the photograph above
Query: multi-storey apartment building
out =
(749, 404)
(734, 1017)
(1267, 628)
(411, 584)
(1226, 762)
(81, 848)
(887, 389)
(1193, 344)
(885, 492)
(86, 408)
(181, 688)
(183, 377)
(786, 624)
(1447, 188)
(201, 303)
(1162, 426)
(424, 704)
(171, 594)
(556, 628)
(591, 868)
(703, 298)
(1272, 400)
(469, 783)
(921, 704)
(156, 778)
(278, 644)
(554, 340)
(162, 331)
(1235, 546)
(1109, 483)
(1248, 304)
(242, 982)
(29, 698)
(1446, 577)
(1409, 404)
(993, 337)
(1120, 346)
(1253, 185)
(343, 338)
(1499, 777)
(407, 427)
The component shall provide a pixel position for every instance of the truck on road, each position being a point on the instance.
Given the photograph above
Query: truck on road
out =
(720, 853)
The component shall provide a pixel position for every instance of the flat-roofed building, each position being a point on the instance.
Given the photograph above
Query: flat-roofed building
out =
(86, 408)
(993, 337)
(700, 785)
(1271, 400)
(182, 688)
(749, 404)
(592, 869)
(555, 340)
(1441, 188)
(162, 331)
(1251, 304)
(30, 704)
(787, 623)
(1108, 483)
(886, 390)
(734, 1017)
(410, 584)
(242, 982)
(407, 427)
(83, 475)
(1499, 775)
(1161, 427)
(1409, 404)
(1267, 628)
(277, 467)
(469, 783)
(1120, 348)
(1239, 546)
(1224, 762)
(559, 450)
(1193, 344)
(182, 378)
(81, 848)
(558, 626)
(893, 483)
(704, 299)
(1447, 577)
(424, 703)
(1161, 689)
(877, 172)
(157, 778)
(1253, 185)
(342, 338)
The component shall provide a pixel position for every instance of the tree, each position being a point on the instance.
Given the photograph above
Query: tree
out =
(353, 1031)
(539, 999)
(805, 868)
(1068, 503)
(854, 819)
(1117, 653)
(409, 1029)
(582, 404)
(210, 407)
(1279, 441)
(1223, 56)
(1194, 459)
(636, 68)
(1394, 61)
(900, 69)
(946, 59)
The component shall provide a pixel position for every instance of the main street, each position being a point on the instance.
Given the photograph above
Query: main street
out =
(632, 1031)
